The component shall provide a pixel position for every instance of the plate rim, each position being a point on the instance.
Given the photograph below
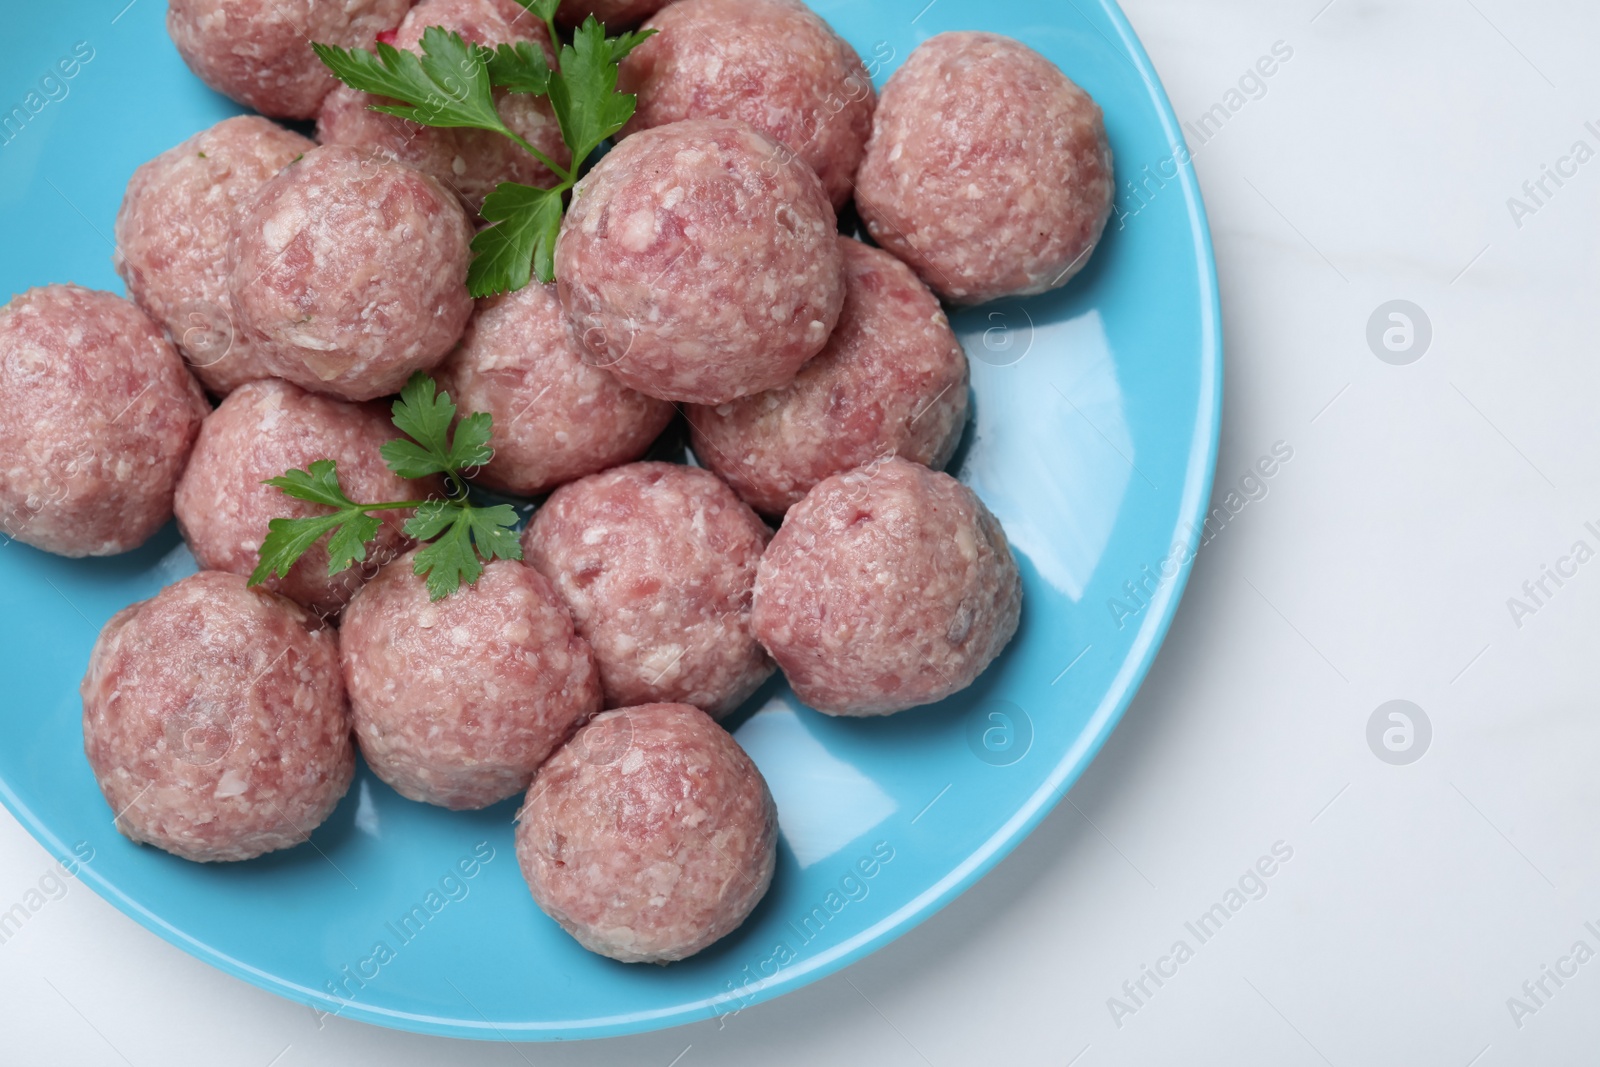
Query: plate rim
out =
(1198, 482)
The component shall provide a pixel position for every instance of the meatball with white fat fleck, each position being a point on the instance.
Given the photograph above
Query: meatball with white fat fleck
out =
(888, 587)
(262, 430)
(469, 162)
(457, 701)
(350, 273)
(657, 562)
(215, 722)
(892, 382)
(988, 169)
(650, 835)
(772, 63)
(97, 416)
(555, 417)
(698, 263)
(172, 239)
(259, 51)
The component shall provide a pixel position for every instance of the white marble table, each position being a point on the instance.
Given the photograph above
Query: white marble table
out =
(1401, 554)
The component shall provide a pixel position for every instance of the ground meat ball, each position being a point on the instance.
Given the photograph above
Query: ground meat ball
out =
(260, 431)
(555, 417)
(656, 562)
(772, 63)
(698, 264)
(471, 162)
(214, 720)
(892, 381)
(614, 14)
(259, 51)
(172, 237)
(456, 702)
(97, 415)
(888, 587)
(649, 835)
(354, 269)
(988, 170)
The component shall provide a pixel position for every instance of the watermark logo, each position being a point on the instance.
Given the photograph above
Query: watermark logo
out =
(52, 87)
(605, 740)
(999, 733)
(1538, 191)
(1538, 591)
(1399, 333)
(201, 734)
(1399, 733)
(1007, 336)
(1252, 884)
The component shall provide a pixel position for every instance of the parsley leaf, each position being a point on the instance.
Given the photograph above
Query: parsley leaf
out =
(494, 531)
(289, 539)
(584, 91)
(448, 85)
(521, 68)
(464, 535)
(319, 485)
(521, 242)
(425, 414)
(546, 10)
(349, 542)
(453, 83)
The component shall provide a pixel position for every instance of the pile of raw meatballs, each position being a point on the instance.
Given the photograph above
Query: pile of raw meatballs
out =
(702, 275)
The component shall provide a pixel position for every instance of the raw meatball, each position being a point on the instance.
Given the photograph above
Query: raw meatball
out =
(614, 14)
(772, 63)
(172, 238)
(988, 170)
(470, 162)
(887, 587)
(457, 701)
(649, 835)
(97, 415)
(262, 430)
(354, 270)
(214, 719)
(259, 51)
(656, 562)
(892, 381)
(699, 264)
(555, 417)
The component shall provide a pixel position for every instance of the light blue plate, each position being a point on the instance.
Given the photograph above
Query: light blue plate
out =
(1094, 442)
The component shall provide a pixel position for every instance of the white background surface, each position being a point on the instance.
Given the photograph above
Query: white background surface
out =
(1419, 898)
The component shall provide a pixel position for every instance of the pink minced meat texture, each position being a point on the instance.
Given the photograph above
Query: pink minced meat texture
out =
(657, 562)
(259, 51)
(262, 430)
(469, 162)
(892, 381)
(698, 264)
(172, 238)
(615, 14)
(214, 720)
(352, 272)
(456, 702)
(650, 835)
(888, 587)
(555, 417)
(772, 63)
(988, 170)
(97, 416)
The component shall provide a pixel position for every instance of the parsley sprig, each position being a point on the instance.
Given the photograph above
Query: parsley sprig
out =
(463, 535)
(452, 83)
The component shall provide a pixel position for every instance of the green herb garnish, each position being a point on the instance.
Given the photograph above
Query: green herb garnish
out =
(464, 535)
(451, 85)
